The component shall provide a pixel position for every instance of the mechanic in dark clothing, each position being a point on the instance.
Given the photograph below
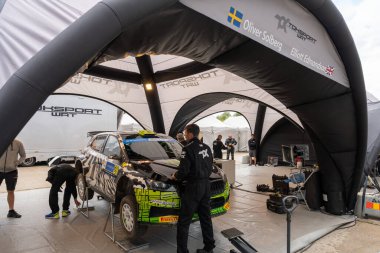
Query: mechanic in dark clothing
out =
(217, 146)
(57, 176)
(252, 145)
(195, 167)
(230, 143)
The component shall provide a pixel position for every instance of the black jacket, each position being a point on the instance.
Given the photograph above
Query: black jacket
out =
(217, 147)
(252, 144)
(196, 162)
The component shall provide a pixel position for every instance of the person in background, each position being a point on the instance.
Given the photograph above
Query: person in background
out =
(181, 139)
(195, 167)
(58, 175)
(230, 143)
(217, 147)
(252, 145)
(8, 171)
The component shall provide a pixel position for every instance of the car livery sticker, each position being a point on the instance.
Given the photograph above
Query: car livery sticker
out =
(112, 168)
(128, 141)
(169, 219)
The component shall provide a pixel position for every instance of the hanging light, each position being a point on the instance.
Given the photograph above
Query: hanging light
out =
(148, 86)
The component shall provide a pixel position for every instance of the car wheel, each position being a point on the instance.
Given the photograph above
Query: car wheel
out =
(29, 162)
(81, 185)
(128, 218)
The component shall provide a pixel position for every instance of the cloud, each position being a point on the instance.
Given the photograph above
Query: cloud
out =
(363, 20)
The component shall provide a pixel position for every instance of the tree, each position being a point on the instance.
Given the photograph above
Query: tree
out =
(222, 117)
(236, 114)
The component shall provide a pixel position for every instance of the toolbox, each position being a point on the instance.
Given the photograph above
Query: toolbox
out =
(371, 204)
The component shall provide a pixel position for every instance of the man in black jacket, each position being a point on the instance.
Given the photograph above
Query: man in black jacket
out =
(217, 146)
(195, 167)
(252, 145)
(58, 175)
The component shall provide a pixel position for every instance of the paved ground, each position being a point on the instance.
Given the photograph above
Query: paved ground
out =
(264, 229)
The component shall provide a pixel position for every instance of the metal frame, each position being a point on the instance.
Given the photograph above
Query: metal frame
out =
(85, 211)
(126, 245)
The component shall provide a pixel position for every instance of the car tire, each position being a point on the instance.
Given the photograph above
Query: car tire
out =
(28, 162)
(81, 185)
(129, 220)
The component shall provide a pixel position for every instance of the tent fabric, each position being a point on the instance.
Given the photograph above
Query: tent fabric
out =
(283, 132)
(373, 144)
(312, 72)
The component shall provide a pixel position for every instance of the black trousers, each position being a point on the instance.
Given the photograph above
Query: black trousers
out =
(218, 154)
(232, 152)
(195, 198)
(61, 177)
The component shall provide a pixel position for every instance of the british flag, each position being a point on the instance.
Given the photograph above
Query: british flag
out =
(329, 70)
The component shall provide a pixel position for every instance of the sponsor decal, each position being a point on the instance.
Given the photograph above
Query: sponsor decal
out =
(77, 79)
(190, 81)
(162, 202)
(203, 153)
(168, 219)
(246, 103)
(112, 168)
(62, 111)
(329, 70)
(128, 141)
(235, 17)
(284, 22)
(372, 205)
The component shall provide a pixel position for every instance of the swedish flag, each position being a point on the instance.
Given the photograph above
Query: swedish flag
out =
(235, 17)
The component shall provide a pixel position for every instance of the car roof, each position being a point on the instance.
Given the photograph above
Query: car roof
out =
(127, 133)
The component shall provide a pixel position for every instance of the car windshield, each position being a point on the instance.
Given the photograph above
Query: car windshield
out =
(152, 148)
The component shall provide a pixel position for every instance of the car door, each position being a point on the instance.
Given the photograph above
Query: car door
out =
(111, 167)
(95, 159)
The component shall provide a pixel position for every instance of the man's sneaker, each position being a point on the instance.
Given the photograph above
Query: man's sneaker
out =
(52, 216)
(204, 251)
(13, 214)
(65, 213)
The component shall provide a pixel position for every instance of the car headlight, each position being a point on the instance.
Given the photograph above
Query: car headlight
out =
(160, 186)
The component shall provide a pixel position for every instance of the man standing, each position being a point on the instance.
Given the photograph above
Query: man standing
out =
(230, 143)
(57, 176)
(195, 167)
(217, 146)
(8, 171)
(252, 150)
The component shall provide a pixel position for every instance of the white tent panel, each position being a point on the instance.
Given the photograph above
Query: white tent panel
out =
(174, 94)
(271, 117)
(285, 27)
(163, 62)
(19, 42)
(129, 97)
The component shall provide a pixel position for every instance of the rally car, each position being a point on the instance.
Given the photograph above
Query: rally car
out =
(133, 170)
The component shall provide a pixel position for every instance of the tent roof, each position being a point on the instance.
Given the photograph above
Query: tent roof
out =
(297, 57)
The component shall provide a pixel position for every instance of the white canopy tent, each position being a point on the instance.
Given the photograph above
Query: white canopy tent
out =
(193, 54)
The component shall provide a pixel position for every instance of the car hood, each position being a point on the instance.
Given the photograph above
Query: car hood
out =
(163, 169)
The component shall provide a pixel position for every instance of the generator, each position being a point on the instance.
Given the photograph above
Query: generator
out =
(371, 204)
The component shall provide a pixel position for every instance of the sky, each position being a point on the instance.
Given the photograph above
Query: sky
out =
(363, 20)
